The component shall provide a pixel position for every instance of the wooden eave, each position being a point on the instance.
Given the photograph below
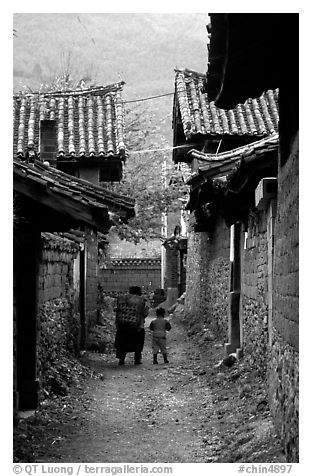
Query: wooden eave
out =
(218, 169)
(235, 196)
(214, 165)
(249, 53)
(67, 195)
(60, 201)
(122, 205)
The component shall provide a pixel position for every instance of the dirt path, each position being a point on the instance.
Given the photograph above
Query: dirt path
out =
(187, 411)
(147, 413)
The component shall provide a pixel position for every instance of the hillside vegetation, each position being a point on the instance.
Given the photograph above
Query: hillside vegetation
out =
(142, 49)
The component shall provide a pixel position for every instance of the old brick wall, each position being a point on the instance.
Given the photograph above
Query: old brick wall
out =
(207, 284)
(283, 374)
(254, 289)
(117, 275)
(58, 319)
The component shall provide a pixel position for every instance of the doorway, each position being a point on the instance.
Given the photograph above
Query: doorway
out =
(234, 329)
(25, 268)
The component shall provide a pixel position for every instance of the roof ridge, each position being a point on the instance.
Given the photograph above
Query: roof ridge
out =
(71, 92)
(190, 71)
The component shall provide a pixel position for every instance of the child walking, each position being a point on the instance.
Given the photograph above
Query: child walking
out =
(159, 326)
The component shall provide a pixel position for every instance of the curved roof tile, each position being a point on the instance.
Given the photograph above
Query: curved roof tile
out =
(90, 122)
(261, 146)
(257, 117)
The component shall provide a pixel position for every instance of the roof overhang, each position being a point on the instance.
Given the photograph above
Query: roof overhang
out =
(69, 197)
(248, 54)
(226, 184)
(220, 165)
(198, 124)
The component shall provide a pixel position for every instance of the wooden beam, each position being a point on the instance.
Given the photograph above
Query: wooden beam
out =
(62, 202)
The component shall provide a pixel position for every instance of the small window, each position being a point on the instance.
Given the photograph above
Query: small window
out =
(48, 141)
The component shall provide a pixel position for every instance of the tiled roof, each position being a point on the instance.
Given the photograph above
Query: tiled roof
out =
(90, 122)
(256, 117)
(61, 241)
(43, 182)
(214, 165)
(230, 178)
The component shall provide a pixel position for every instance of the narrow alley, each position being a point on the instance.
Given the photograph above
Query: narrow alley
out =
(151, 171)
(189, 411)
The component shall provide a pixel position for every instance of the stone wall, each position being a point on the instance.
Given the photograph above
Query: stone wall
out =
(55, 274)
(283, 376)
(286, 296)
(269, 312)
(283, 379)
(116, 275)
(254, 291)
(58, 320)
(197, 254)
(207, 285)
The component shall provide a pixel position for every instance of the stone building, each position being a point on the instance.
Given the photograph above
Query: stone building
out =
(242, 144)
(248, 55)
(80, 132)
(200, 126)
(66, 145)
(233, 196)
(55, 216)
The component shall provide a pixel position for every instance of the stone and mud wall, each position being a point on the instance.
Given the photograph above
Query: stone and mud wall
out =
(208, 274)
(283, 373)
(254, 293)
(58, 320)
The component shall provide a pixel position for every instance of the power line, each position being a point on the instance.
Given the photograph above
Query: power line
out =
(90, 92)
(150, 97)
(185, 146)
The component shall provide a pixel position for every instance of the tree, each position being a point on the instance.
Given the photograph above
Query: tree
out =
(150, 177)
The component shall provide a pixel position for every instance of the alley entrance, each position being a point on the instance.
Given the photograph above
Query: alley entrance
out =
(189, 411)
